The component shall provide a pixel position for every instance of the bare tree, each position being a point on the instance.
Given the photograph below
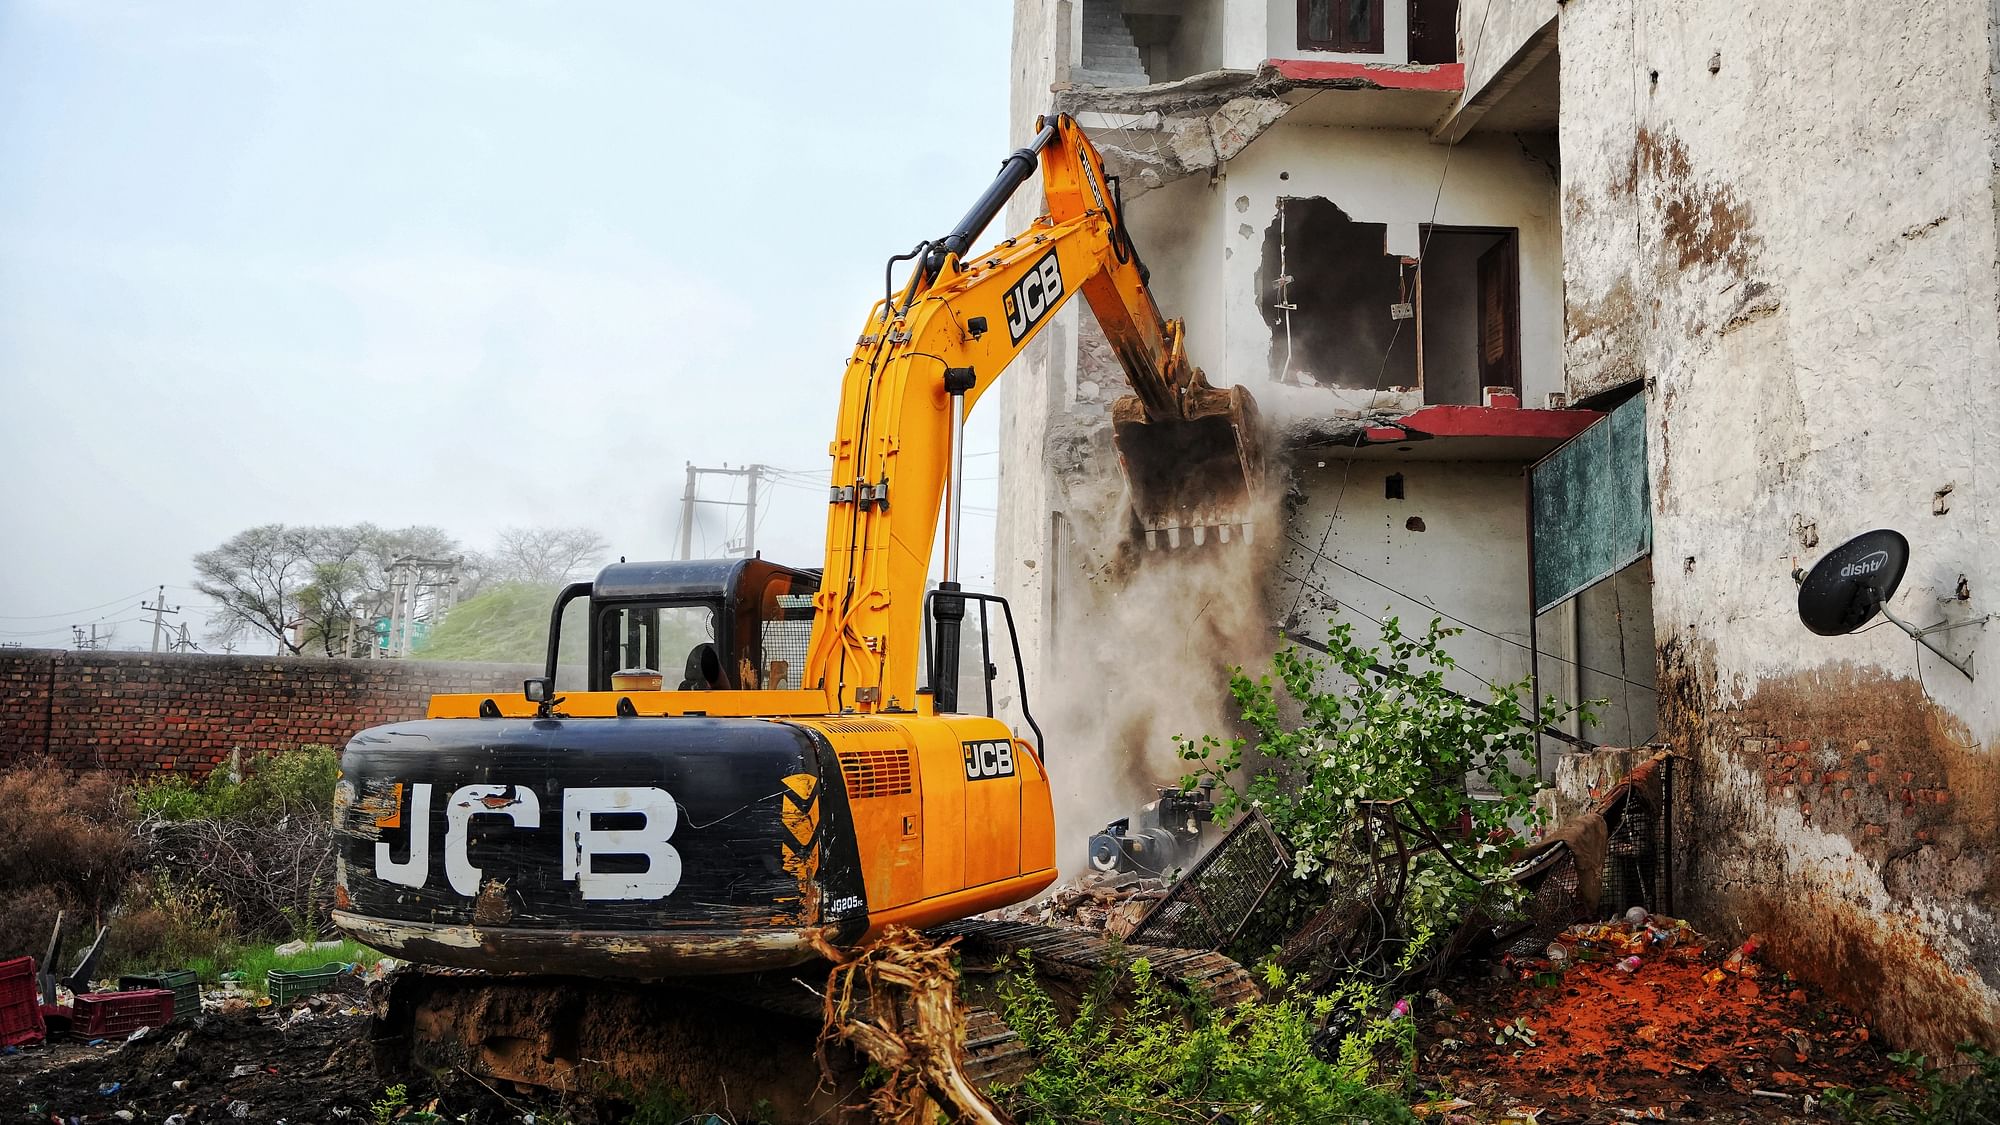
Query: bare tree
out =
(303, 586)
(545, 556)
(255, 577)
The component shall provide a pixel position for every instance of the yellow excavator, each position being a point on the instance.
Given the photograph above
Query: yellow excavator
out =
(765, 762)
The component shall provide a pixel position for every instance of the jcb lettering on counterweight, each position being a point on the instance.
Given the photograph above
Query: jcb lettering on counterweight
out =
(1033, 296)
(582, 840)
(990, 758)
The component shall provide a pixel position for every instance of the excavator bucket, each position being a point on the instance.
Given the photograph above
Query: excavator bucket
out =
(1194, 474)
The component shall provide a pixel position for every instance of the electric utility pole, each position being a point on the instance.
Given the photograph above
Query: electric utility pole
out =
(691, 496)
(159, 607)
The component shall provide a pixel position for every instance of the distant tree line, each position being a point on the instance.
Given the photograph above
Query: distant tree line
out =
(308, 587)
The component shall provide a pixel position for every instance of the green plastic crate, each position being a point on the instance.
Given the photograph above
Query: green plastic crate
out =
(183, 983)
(287, 985)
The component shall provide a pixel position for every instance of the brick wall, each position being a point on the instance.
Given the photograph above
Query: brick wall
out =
(152, 712)
(1851, 821)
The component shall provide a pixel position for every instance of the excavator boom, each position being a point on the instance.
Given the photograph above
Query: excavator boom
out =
(1190, 452)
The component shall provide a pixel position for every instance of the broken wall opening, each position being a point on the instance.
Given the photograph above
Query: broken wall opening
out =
(1332, 297)
(1345, 311)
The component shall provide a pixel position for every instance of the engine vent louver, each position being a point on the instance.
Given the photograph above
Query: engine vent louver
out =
(859, 726)
(876, 773)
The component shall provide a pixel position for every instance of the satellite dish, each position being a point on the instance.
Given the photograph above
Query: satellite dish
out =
(1846, 588)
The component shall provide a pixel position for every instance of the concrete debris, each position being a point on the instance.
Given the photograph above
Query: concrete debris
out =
(1153, 135)
(1111, 904)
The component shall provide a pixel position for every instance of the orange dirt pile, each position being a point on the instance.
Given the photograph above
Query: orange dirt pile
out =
(1687, 1032)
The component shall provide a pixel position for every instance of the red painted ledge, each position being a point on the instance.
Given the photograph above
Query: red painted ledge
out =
(1497, 421)
(1445, 77)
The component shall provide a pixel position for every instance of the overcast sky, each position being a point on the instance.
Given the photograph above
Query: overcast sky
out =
(476, 265)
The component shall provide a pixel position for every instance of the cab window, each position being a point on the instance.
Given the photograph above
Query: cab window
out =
(675, 639)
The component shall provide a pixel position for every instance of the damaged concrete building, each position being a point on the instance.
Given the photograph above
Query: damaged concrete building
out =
(1582, 326)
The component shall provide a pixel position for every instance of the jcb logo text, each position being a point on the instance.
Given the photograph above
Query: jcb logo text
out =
(1033, 296)
(994, 758)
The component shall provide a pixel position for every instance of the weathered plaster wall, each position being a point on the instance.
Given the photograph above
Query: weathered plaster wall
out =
(1786, 226)
(1038, 385)
(1384, 176)
(1490, 32)
(1452, 546)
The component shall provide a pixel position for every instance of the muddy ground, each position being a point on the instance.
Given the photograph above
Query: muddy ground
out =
(1623, 1026)
(1689, 1033)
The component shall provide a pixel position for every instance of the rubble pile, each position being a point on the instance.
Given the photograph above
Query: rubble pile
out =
(1642, 1019)
(1100, 902)
(244, 1065)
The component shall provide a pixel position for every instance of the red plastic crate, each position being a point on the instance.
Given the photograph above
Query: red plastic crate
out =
(20, 1004)
(100, 1014)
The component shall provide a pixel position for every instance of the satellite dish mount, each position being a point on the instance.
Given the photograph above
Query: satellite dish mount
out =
(1854, 581)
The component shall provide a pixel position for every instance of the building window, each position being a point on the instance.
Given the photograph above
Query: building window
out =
(1343, 313)
(1352, 26)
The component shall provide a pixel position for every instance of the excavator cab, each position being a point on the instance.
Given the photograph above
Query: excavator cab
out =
(693, 625)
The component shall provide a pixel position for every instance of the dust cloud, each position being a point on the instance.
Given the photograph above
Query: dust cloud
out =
(1145, 640)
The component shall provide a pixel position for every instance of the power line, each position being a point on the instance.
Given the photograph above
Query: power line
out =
(159, 610)
(70, 612)
(1305, 583)
(691, 499)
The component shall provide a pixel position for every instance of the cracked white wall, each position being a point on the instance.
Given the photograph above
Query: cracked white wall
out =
(1785, 225)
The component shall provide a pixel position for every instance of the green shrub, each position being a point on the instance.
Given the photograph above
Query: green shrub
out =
(1376, 723)
(289, 782)
(1155, 1058)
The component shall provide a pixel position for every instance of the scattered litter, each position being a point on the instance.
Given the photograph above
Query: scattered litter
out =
(244, 1070)
(239, 1109)
(125, 1115)
(109, 1088)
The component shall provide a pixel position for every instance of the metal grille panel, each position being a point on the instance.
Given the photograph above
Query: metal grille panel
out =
(1210, 904)
(875, 773)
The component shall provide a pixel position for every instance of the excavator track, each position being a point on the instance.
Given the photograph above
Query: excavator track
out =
(748, 1037)
(1081, 956)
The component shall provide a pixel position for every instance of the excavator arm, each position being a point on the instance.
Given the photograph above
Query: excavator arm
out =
(929, 352)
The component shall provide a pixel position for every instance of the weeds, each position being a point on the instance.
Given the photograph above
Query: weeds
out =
(253, 961)
(1161, 1059)
(261, 841)
(1959, 1093)
(66, 844)
(292, 783)
(164, 922)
